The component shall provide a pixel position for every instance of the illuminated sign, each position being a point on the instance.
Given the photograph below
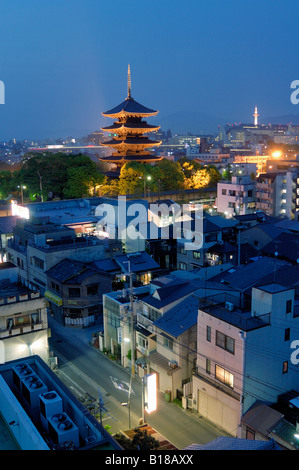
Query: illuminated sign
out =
(20, 211)
(150, 392)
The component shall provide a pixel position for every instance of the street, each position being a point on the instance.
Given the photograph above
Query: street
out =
(85, 370)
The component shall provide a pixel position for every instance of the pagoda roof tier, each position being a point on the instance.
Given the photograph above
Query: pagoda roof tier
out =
(122, 159)
(130, 127)
(131, 142)
(130, 107)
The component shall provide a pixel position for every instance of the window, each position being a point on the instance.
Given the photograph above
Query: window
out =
(223, 192)
(183, 266)
(142, 342)
(208, 333)
(55, 286)
(285, 367)
(224, 376)
(74, 292)
(208, 366)
(168, 342)
(182, 250)
(225, 342)
(287, 334)
(288, 306)
(92, 289)
(196, 254)
(38, 263)
(250, 434)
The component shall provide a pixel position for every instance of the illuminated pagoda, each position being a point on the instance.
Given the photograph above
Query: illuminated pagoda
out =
(130, 142)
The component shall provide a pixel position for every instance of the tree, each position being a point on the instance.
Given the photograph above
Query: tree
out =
(131, 178)
(8, 183)
(60, 175)
(169, 174)
(141, 441)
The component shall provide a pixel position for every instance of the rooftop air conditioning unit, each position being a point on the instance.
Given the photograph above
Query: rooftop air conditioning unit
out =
(229, 306)
(32, 387)
(173, 364)
(62, 430)
(50, 403)
(19, 372)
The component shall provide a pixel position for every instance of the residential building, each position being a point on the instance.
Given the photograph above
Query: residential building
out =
(119, 308)
(23, 318)
(277, 194)
(141, 265)
(175, 336)
(159, 318)
(260, 235)
(38, 412)
(39, 244)
(236, 197)
(6, 233)
(209, 234)
(147, 305)
(74, 292)
(263, 422)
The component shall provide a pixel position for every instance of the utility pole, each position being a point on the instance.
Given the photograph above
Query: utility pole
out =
(131, 320)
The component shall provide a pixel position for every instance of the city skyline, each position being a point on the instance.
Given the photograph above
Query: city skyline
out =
(196, 63)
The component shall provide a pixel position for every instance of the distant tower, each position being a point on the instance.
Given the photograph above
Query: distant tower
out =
(129, 141)
(256, 114)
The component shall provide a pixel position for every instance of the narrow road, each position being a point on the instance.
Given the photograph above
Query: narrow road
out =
(85, 370)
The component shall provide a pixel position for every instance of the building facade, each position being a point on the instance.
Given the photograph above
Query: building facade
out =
(236, 197)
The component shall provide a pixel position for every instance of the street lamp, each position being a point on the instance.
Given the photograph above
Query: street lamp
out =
(22, 196)
(146, 178)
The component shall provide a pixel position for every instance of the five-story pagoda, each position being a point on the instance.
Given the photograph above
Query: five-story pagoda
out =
(130, 142)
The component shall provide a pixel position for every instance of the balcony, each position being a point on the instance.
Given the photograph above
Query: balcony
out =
(20, 330)
(145, 322)
(216, 384)
(240, 316)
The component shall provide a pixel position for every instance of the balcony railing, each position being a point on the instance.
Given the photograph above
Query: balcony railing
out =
(19, 330)
(240, 316)
(216, 384)
(145, 322)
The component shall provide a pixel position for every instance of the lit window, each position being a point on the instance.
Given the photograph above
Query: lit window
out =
(224, 376)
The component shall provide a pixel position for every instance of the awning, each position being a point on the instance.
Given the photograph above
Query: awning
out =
(53, 298)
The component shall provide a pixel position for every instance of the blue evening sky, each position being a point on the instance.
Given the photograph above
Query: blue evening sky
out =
(64, 62)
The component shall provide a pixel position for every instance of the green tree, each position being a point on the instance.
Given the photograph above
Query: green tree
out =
(131, 178)
(169, 174)
(8, 183)
(141, 441)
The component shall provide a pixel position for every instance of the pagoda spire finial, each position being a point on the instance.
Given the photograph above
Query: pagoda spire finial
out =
(129, 83)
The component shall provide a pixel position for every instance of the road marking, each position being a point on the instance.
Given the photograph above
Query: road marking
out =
(121, 385)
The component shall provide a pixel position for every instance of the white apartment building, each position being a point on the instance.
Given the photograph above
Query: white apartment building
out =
(277, 194)
(23, 318)
(236, 197)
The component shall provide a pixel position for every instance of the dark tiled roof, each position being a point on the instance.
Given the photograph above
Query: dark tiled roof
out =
(7, 223)
(130, 106)
(234, 443)
(170, 293)
(70, 270)
(179, 318)
(285, 244)
(244, 277)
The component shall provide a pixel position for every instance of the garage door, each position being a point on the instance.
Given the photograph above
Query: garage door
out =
(219, 413)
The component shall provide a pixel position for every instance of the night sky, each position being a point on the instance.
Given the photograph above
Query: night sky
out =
(64, 62)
